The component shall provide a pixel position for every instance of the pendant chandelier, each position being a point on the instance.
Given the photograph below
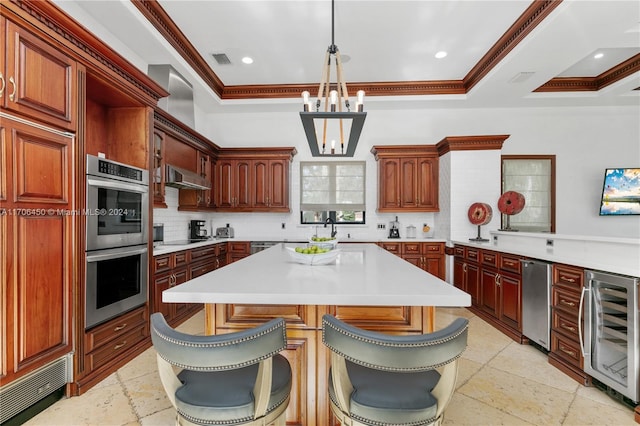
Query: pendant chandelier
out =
(325, 127)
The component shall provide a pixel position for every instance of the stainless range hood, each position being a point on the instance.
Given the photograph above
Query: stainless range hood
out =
(185, 179)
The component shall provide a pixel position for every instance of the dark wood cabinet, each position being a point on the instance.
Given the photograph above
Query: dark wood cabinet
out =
(565, 353)
(407, 178)
(249, 180)
(238, 250)
(36, 239)
(170, 270)
(427, 256)
(494, 281)
(198, 199)
(159, 170)
(39, 81)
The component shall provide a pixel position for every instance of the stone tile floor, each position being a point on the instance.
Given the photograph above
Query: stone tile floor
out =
(499, 383)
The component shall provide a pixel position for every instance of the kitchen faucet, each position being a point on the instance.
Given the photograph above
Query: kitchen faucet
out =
(334, 231)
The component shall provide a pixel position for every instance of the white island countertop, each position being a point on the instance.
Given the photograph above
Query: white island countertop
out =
(363, 274)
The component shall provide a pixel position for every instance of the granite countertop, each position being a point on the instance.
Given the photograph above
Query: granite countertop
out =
(363, 275)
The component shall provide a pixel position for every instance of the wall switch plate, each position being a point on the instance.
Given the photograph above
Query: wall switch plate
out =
(283, 225)
(549, 243)
(381, 226)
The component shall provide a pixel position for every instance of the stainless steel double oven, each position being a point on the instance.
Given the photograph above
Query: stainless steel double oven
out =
(117, 222)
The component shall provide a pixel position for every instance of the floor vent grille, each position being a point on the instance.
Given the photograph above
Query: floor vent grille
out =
(26, 391)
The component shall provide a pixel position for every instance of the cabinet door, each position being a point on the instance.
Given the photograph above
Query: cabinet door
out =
(473, 283)
(260, 184)
(161, 283)
(279, 185)
(158, 168)
(204, 199)
(510, 300)
(408, 183)
(434, 265)
(40, 81)
(414, 259)
(459, 273)
(225, 186)
(242, 177)
(489, 291)
(427, 190)
(389, 184)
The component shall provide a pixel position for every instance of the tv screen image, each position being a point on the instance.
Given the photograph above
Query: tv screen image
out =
(621, 192)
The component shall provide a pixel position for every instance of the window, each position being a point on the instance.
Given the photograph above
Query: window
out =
(333, 190)
(534, 177)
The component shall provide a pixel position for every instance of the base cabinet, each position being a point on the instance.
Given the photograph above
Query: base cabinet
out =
(427, 256)
(305, 351)
(494, 281)
(565, 353)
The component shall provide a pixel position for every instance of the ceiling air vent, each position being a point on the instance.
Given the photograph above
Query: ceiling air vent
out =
(221, 58)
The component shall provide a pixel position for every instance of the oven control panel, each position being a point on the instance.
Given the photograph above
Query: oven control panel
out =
(120, 170)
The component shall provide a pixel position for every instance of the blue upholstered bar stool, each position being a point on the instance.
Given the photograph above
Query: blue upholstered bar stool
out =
(378, 379)
(230, 379)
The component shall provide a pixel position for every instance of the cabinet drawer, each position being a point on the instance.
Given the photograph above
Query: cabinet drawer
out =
(181, 258)
(565, 300)
(411, 248)
(201, 253)
(114, 329)
(433, 248)
(112, 349)
(201, 269)
(392, 247)
(565, 324)
(569, 276)
(510, 263)
(473, 254)
(221, 249)
(458, 251)
(489, 258)
(566, 349)
(239, 247)
(161, 263)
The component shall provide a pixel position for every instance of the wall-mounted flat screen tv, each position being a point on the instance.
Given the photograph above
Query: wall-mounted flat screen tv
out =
(621, 192)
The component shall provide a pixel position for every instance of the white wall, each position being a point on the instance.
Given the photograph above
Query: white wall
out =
(585, 141)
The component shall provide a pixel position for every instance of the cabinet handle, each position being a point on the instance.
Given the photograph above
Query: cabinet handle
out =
(569, 280)
(564, 302)
(568, 327)
(120, 327)
(568, 352)
(3, 84)
(217, 263)
(119, 345)
(464, 267)
(509, 263)
(13, 94)
(498, 279)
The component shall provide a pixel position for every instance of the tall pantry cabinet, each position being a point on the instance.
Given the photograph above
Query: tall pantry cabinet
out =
(37, 148)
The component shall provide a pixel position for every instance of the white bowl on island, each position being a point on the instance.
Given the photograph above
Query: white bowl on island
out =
(333, 241)
(313, 259)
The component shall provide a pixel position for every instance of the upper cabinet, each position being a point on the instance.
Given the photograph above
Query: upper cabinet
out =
(36, 80)
(253, 179)
(407, 178)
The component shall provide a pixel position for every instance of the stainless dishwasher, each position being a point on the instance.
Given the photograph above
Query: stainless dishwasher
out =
(536, 301)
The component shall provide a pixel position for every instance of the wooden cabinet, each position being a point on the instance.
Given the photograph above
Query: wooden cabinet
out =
(466, 272)
(232, 184)
(565, 353)
(198, 199)
(494, 281)
(36, 241)
(104, 343)
(253, 179)
(238, 250)
(170, 270)
(407, 178)
(159, 169)
(37, 80)
(427, 256)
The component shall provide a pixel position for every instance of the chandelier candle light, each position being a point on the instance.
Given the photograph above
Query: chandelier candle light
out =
(334, 99)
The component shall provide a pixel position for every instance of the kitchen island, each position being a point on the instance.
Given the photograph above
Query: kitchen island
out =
(366, 286)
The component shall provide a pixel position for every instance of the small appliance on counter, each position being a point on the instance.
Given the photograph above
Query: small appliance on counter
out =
(226, 232)
(158, 234)
(411, 231)
(198, 230)
(394, 229)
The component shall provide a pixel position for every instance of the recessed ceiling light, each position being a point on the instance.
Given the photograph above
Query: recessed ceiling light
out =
(598, 55)
(441, 54)
(247, 60)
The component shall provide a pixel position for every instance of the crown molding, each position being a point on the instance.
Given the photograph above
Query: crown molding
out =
(470, 143)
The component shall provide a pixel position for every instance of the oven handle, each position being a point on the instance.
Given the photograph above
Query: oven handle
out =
(114, 254)
(117, 185)
(584, 290)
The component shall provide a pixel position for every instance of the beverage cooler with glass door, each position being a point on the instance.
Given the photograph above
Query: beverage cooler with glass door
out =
(611, 343)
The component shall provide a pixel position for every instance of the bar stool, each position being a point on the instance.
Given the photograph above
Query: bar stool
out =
(230, 379)
(378, 379)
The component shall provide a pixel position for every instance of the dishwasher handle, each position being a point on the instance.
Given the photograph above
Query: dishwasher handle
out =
(580, 337)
